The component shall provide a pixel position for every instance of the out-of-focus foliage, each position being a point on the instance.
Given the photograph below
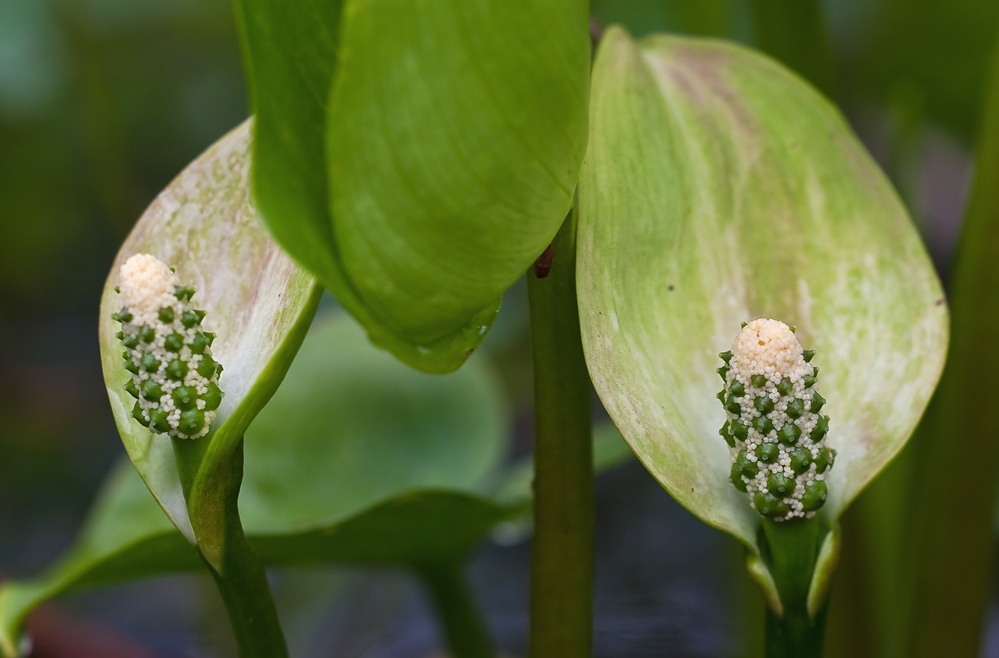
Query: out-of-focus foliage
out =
(794, 32)
(952, 542)
(357, 458)
(934, 55)
(102, 103)
(702, 18)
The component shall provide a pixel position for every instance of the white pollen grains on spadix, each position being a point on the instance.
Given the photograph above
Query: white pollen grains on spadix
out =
(147, 285)
(774, 430)
(174, 376)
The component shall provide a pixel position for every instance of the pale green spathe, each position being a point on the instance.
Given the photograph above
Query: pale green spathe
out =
(258, 302)
(719, 188)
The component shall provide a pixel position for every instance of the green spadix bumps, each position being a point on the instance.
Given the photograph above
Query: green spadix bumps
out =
(768, 367)
(717, 187)
(176, 390)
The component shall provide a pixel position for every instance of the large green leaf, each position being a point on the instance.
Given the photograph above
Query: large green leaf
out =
(719, 188)
(357, 457)
(290, 58)
(257, 300)
(454, 133)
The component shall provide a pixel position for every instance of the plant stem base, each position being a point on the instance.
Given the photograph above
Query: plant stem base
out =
(466, 629)
(790, 551)
(238, 573)
(562, 551)
(794, 635)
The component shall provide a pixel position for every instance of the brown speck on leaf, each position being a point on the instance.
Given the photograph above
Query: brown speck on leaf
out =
(940, 301)
(469, 352)
(543, 265)
(596, 29)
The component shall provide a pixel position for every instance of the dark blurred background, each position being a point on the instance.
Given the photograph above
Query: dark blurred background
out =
(102, 102)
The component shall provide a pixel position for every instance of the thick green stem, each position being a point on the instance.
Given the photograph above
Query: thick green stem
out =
(465, 628)
(238, 573)
(794, 635)
(562, 559)
(790, 551)
(794, 32)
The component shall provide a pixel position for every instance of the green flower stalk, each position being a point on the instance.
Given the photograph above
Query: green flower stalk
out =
(174, 376)
(774, 430)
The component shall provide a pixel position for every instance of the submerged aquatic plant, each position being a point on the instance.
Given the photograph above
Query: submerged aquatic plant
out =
(774, 429)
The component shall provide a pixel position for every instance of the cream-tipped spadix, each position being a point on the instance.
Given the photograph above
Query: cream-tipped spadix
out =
(779, 459)
(174, 377)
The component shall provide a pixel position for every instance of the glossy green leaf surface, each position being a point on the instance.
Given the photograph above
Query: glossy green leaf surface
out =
(290, 59)
(356, 458)
(453, 134)
(719, 188)
(258, 302)
(443, 196)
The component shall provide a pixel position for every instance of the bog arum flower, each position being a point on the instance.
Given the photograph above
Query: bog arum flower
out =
(260, 304)
(717, 187)
(174, 377)
(232, 280)
(774, 431)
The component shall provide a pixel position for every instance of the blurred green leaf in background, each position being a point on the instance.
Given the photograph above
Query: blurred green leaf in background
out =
(939, 52)
(357, 459)
(101, 104)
